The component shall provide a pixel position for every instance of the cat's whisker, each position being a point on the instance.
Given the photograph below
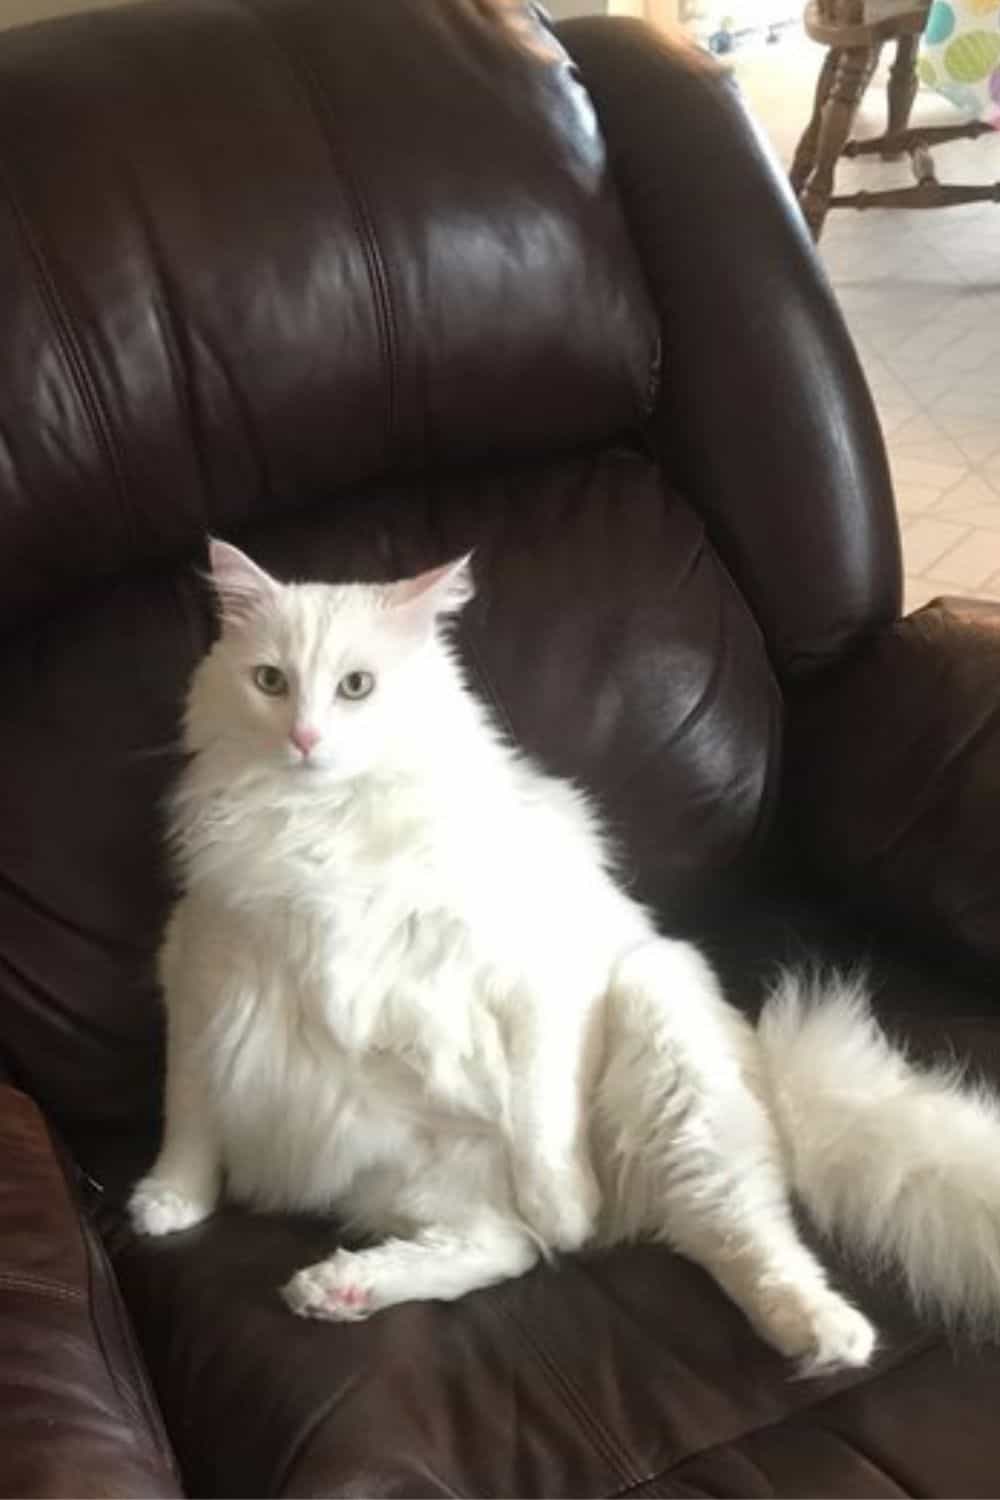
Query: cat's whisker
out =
(153, 752)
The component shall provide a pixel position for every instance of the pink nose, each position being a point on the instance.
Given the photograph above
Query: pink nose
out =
(304, 738)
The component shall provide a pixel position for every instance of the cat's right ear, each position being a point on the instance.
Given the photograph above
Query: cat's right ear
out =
(241, 588)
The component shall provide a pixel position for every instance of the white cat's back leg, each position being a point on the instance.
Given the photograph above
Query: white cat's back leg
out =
(553, 1041)
(692, 1158)
(439, 1264)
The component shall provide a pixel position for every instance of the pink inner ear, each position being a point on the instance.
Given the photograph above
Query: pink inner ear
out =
(240, 585)
(441, 590)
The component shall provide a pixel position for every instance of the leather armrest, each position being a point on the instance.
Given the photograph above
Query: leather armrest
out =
(77, 1416)
(765, 422)
(893, 775)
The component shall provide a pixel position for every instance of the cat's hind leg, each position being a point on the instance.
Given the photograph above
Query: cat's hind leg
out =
(435, 1265)
(773, 1277)
(694, 1160)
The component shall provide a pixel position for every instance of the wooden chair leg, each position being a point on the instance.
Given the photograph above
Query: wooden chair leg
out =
(805, 152)
(902, 89)
(852, 75)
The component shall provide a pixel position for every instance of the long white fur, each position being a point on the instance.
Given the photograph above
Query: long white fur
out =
(404, 987)
(900, 1162)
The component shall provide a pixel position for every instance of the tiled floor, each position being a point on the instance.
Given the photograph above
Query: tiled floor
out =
(921, 292)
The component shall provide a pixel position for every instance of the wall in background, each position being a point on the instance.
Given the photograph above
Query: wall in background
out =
(560, 10)
(660, 12)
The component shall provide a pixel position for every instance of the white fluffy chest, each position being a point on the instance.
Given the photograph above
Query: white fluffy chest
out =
(344, 1043)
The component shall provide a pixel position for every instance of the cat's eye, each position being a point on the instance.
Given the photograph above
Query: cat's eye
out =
(356, 685)
(271, 680)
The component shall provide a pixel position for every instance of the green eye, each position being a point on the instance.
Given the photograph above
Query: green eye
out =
(271, 680)
(356, 685)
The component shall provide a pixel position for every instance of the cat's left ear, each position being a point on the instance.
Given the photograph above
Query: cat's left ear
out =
(241, 588)
(440, 591)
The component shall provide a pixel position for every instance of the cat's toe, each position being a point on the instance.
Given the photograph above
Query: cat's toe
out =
(155, 1208)
(842, 1338)
(571, 1228)
(821, 1332)
(561, 1208)
(330, 1290)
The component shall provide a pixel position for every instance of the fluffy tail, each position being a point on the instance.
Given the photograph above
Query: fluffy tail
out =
(899, 1162)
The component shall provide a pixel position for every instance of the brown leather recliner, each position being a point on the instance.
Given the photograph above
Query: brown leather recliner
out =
(361, 283)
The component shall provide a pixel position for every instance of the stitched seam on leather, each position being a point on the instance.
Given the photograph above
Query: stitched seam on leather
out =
(873, 1463)
(648, 1487)
(11, 1281)
(949, 765)
(50, 914)
(136, 1385)
(707, 696)
(309, 87)
(52, 1005)
(88, 1239)
(73, 357)
(603, 1440)
(298, 1448)
(788, 1419)
(172, 331)
(770, 791)
(88, 1252)
(653, 379)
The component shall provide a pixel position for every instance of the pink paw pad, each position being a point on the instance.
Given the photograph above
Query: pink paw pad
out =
(354, 1297)
(329, 1291)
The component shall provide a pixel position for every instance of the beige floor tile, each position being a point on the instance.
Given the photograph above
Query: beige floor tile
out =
(917, 500)
(974, 501)
(926, 540)
(979, 444)
(907, 469)
(969, 565)
(922, 439)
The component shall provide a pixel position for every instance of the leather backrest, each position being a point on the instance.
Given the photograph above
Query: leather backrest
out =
(253, 254)
(764, 420)
(350, 283)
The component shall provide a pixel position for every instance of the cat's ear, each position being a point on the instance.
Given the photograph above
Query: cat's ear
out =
(440, 591)
(241, 588)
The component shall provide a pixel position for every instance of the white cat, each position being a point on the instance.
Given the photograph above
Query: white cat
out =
(404, 988)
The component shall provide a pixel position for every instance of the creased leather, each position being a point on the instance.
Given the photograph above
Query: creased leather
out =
(76, 1413)
(893, 782)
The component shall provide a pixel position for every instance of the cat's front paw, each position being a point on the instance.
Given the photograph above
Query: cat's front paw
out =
(156, 1208)
(335, 1290)
(560, 1206)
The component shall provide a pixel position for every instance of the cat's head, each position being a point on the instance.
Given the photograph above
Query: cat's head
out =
(319, 679)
